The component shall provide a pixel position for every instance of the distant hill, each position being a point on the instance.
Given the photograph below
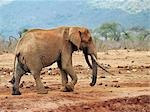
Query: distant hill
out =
(19, 15)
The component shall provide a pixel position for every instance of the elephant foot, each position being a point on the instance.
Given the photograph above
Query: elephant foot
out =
(69, 87)
(16, 92)
(43, 91)
(64, 89)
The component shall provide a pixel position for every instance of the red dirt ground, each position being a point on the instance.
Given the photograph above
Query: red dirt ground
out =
(127, 91)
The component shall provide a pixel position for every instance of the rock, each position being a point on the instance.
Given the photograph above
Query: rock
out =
(46, 87)
(2, 76)
(132, 61)
(42, 72)
(134, 70)
(6, 97)
(86, 107)
(128, 71)
(21, 85)
(100, 84)
(4, 73)
(115, 81)
(147, 66)
(6, 86)
(49, 71)
(120, 67)
(25, 108)
(118, 86)
(27, 86)
(148, 73)
(102, 77)
(106, 53)
(119, 72)
(11, 73)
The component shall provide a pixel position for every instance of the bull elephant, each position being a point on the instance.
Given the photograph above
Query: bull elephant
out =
(39, 48)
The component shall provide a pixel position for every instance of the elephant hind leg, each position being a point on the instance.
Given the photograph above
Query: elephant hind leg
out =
(40, 87)
(35, 67)
(18, 73)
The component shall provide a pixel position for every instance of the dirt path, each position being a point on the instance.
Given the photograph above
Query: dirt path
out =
(127, 91)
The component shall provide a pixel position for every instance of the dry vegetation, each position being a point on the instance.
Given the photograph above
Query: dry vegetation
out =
(108, 36)
(7, 46)
(123, 44)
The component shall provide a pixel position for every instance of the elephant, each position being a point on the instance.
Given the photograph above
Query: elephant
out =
(39, 48)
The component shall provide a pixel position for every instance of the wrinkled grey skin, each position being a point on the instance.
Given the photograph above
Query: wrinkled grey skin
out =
(39, 48)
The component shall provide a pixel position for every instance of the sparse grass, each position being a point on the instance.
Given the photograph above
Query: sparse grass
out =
(7, 46)
(123, 44)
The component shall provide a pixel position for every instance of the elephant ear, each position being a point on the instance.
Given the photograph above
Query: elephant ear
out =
(75, 37)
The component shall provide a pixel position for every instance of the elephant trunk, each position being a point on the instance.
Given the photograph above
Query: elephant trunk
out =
(94, 70)
(93, 66)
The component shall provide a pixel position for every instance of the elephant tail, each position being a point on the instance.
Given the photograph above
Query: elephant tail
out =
(12, 81)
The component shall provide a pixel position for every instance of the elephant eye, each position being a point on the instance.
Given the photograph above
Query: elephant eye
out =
(80, 34)
(90, 39)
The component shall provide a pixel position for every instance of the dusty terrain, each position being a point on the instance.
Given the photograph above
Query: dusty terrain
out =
(127, 91)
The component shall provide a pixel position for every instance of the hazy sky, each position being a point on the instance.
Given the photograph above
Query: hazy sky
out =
(4, 2)
(130, 6)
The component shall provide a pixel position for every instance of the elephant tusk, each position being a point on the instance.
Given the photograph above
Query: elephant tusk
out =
(87, 61)
(94, 58)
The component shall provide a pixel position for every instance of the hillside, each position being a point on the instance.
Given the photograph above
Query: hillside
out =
(18, 15)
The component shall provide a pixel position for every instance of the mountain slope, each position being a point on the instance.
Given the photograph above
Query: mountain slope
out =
(47, 14)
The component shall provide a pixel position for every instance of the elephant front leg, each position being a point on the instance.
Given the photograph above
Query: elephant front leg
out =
(66, 62)
(68, 68)
(40, 87)
(64, 79)
(70, 85)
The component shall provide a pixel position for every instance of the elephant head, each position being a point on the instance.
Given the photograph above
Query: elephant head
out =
(81, 39)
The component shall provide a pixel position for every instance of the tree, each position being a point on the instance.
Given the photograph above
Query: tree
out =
(109, 31)
(142, 33)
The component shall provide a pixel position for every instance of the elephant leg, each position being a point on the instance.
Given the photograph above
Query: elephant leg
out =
(64, 77)
(16, 84)
(18, 73)
(40, 87)
(66, 61)
(70, 71)
(68, 68)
